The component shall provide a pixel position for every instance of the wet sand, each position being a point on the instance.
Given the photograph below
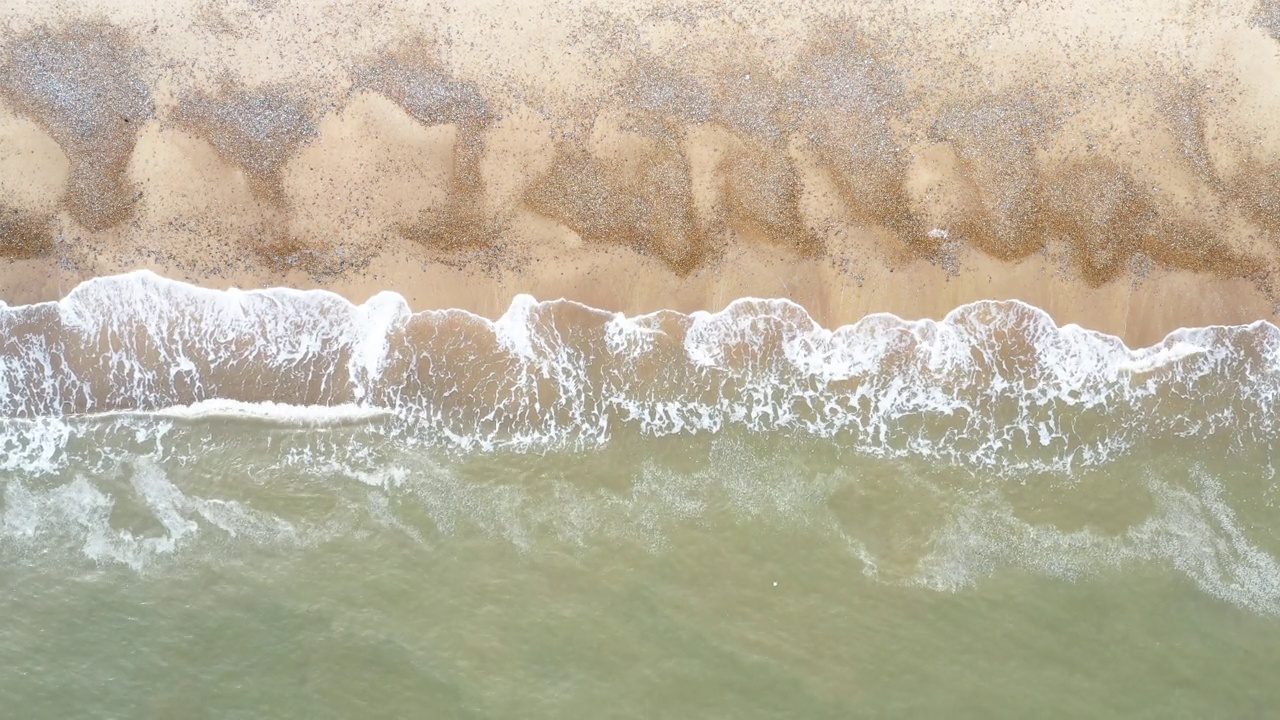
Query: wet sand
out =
(1115, 164)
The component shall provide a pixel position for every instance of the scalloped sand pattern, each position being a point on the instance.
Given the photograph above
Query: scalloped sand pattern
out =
(1117, 164)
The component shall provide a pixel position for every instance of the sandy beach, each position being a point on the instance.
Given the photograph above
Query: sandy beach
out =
(430, 488)
(1117, 165)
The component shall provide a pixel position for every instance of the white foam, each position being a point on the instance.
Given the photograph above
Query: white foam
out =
(382, 314)
(999, 377)
(1198, 533)
(1193, 531)
(77, 515)
(34, 447)
(975, 534)
(514, 329)
(272, 412)
(630, 337)
(1151, 359)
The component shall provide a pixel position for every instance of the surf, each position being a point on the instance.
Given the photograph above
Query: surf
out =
(993, 384)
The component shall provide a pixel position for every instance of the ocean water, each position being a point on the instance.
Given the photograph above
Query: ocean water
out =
(279, 504)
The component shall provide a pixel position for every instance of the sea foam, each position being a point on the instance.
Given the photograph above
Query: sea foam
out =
(994, 384)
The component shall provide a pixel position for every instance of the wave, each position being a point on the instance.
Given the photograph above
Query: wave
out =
(143, 419)
(273, 412)
(994, 384)
(155, 495)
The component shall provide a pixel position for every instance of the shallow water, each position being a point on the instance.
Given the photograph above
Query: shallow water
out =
(278, 504)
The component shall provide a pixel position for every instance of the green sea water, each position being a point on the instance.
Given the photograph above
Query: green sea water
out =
(231, 570)
(276, 504)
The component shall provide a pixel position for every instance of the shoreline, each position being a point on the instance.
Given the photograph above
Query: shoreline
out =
(1117, 167)
(1141, 312)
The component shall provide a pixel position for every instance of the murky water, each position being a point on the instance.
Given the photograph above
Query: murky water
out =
(571, 514)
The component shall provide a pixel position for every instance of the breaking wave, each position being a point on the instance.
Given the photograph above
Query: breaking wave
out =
(993, 384)
(143, 419)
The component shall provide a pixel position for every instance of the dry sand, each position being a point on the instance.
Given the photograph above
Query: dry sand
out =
(1117, 163)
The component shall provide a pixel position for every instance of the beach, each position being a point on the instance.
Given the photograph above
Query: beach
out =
(570, 358)
(1117, 169)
